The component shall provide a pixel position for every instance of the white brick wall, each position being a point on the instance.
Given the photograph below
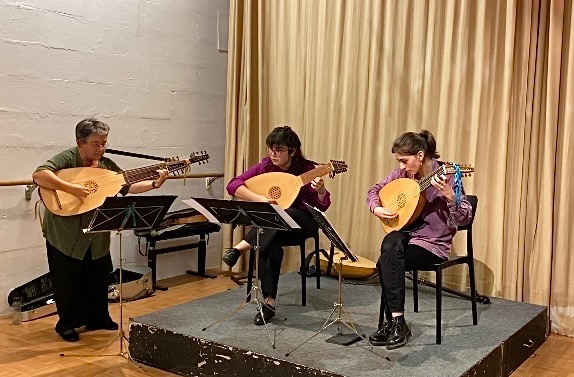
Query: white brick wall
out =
(151, 70)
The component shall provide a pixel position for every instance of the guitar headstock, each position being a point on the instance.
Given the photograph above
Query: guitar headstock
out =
(450, 168)
(337, 167)
(199, 157)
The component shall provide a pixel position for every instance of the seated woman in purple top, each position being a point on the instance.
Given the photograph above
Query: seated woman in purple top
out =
(284, 150)
(427, 241)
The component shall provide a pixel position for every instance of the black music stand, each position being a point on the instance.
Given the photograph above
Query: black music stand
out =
(336, 241)
(258, 215)
(127, 213)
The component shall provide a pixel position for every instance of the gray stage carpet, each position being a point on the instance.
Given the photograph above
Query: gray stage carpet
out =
(463, 345)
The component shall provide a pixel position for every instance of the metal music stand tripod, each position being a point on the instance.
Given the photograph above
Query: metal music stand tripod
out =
(255, 214)
(337, 242)
(117, 214)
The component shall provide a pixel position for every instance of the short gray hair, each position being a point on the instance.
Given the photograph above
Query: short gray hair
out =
(90, 126)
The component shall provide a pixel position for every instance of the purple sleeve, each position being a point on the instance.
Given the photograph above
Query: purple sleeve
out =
(311, 197)
(238, 181)
(373, 200)
(461, 215)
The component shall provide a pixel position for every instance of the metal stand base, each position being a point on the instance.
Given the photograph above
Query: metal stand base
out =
(338, 307)
(256, 297)
(259, 301)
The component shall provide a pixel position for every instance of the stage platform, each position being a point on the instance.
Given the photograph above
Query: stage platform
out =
(172, 339)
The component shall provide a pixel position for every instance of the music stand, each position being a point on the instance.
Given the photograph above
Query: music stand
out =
(337, 242)
(258, 215)
(127, 213)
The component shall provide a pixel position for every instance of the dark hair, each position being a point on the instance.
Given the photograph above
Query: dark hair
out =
(411, 143)
(90, 126)
(285, 136)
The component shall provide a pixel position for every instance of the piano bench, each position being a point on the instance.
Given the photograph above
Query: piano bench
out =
(201, 229)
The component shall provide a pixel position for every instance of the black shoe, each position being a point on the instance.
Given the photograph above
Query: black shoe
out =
(268, 313)
(231, 257)
(381, 337)
(70, 335)
(110, 325)
(400, 333)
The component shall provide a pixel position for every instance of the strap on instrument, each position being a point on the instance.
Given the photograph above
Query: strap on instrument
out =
(38, 213)
(138, 155)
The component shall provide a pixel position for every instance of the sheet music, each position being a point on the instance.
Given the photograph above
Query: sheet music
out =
(288, 219)
(210, 217)
(331, 233)
(195, 205)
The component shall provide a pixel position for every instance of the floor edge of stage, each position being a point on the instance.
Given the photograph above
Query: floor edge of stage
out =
(172, 339)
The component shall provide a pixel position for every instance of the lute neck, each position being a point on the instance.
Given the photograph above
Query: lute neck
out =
(319, 171)
(150, 172)
(425, 182)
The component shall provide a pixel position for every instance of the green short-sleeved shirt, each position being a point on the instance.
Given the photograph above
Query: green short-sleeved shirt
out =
(65, 232)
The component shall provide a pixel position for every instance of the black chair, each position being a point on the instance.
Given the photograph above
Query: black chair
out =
(467, 259)
(302, 269)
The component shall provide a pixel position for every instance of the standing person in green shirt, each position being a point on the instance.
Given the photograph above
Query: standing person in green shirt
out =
(80, 263)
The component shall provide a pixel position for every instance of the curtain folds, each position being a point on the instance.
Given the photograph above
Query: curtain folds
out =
(489, 79)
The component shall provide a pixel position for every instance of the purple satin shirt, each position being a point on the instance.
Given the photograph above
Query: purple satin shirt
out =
(440, 218)
(306, 194)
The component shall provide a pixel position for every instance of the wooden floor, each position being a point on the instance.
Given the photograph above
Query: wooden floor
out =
(34, 349)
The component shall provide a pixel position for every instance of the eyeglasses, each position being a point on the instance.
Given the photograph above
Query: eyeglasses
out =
(276, 151)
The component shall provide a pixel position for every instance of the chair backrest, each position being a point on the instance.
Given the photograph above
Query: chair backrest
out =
(473, 200)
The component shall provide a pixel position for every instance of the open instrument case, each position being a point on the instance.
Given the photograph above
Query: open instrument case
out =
(36, 296)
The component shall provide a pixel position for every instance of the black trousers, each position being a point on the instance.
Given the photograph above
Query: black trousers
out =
(397, 256)
(80, 288)
(271, 244)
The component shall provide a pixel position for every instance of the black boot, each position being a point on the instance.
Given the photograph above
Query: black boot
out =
(231, 257)
(268, 313)
(380, 337)
(400, 333)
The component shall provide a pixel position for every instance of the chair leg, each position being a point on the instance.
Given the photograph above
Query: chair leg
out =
(438, 304)
(472, 290)
(250, 274)
(303, 273)
(416, 291)
(317, 262)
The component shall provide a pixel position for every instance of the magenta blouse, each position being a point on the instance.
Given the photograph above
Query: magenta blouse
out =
(306, 194)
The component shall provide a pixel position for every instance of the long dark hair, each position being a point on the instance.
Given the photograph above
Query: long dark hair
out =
(285, 136)
(410, 143)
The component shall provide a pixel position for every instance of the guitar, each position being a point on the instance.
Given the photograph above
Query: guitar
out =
(284, 187)
(103, 183)
(406, 197)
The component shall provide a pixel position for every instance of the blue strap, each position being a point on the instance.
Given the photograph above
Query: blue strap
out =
(457, 185)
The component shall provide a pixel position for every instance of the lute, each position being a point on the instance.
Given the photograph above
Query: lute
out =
(284, 187)
(360, 269)
(406, 197)
(103, 183)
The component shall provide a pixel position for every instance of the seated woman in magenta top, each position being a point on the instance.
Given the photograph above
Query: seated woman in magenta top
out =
(284, 151)
(427, 241)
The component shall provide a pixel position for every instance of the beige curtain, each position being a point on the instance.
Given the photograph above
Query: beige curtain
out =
(488, 78)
